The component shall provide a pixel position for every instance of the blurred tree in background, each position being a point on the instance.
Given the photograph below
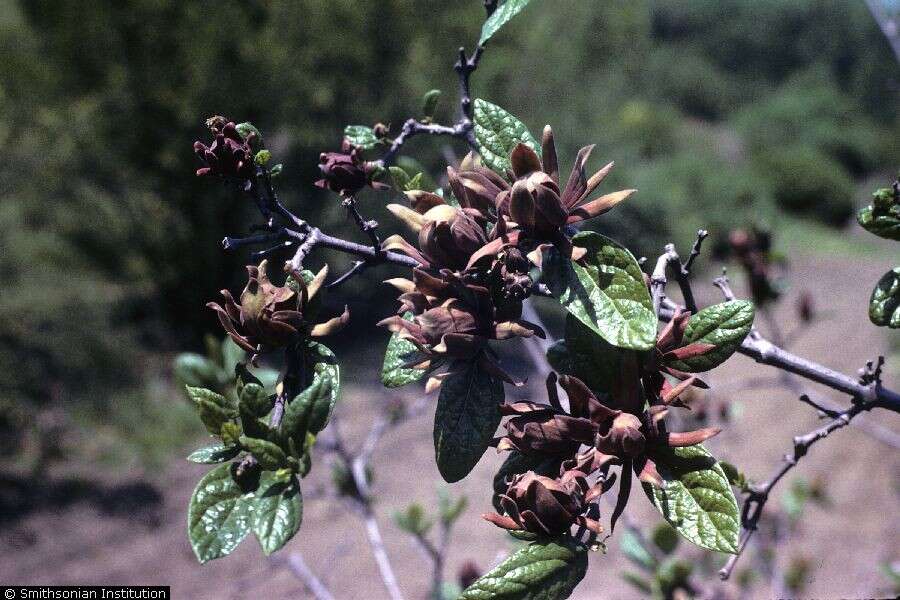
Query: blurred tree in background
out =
(720, 112)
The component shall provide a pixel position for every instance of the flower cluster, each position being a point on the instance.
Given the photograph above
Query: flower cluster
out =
(585, 441)
(473, 248)
(230, 154)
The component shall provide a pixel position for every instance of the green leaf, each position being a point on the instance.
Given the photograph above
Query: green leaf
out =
(496, 133)
(697, 500)
(723, 325)
(884, 305)
(255, 399)
(277, 512)
(214, 454)
(299, 414)
(413, 520)
(218, 515)
(635, 551)
(215, 410)
(269, 455)
(393, 374)
(399, 177)
(592, 359)
(501, 16)
(882, 217)
(245, 129)
(638, 581)
(608, 293)
(262, 157)
(429, 103)
(665, 538)
(326, 370)
(539, 571)
(361, 136)
(449, 509)
(467, 416)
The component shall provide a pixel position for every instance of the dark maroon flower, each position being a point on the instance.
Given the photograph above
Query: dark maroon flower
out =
(229, 155)
(345, 172)
(547, 506)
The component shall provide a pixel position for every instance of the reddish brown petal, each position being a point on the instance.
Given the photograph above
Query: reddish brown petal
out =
(691, 438)
(597, 207)
(551, 163)
(493, 247)
(689, 351)
(589, 524)
(649, 474)
(501, 521)
(521, 205)
(671, 395)
(422, 201)
(577, 184)
(524, 160)
(547, 202)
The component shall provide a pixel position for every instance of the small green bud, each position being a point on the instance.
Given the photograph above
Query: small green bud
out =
(262, 157)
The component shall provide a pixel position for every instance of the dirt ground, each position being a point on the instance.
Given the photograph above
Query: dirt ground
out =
(126, 532)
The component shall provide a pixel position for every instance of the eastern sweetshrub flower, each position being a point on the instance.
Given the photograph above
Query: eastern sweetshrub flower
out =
(452, 319)
(547, 506)
(345, 172)
(230, 154)
(536, 204)
(617, 430)
(269, 316)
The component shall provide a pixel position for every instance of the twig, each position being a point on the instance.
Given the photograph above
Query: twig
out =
(658, 279)
(759, 494)
(315, 586)
(368, 227)
(683, 270)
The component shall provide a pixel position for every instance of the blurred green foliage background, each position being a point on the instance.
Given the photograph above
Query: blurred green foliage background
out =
(721, 112)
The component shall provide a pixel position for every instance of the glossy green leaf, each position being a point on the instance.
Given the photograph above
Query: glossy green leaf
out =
(215, 410)
(277, 512)
(429, 103)
(326, 370)
(245, 129)
(593, 360)
(496, 133)
(501, 16)
(884, 305)
(723, 325)
(467, 416)
(697, 499)
(538, 571)
(214, 454)
(607, 294)
(882, 217)
(269, 455)
(302, 410)
(256, 400)
(393, 373)
(219, 515)
(361, 136)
